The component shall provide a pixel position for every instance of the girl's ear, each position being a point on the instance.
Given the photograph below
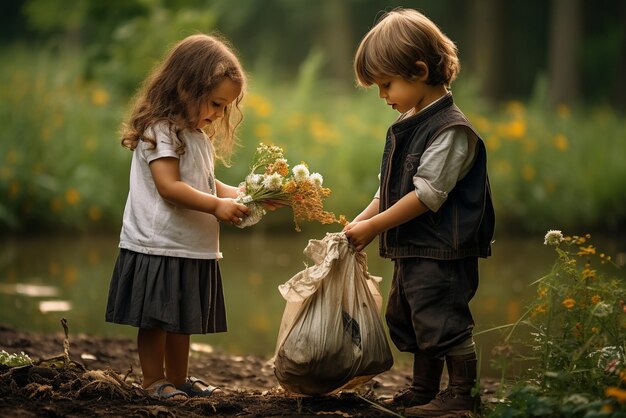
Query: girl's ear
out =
(422, 71)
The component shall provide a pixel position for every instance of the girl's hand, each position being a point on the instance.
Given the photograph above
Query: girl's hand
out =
(229, 211)
(360, 234)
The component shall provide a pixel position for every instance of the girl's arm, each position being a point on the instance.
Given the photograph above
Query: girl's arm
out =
(166, 175)
(224, 190)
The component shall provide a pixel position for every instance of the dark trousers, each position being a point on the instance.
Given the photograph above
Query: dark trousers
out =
(428, 307)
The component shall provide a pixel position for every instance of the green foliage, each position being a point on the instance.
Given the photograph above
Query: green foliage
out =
(62, 166)
(577, 338)
(14, 360)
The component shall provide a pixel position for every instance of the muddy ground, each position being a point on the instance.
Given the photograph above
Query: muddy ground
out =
(98, 381)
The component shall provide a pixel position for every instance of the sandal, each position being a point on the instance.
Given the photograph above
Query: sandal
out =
(158, 390)
(190, 388)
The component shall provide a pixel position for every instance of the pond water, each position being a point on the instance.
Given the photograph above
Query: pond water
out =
(43, 279)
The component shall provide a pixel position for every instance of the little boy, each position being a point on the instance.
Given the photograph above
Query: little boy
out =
(433, 211)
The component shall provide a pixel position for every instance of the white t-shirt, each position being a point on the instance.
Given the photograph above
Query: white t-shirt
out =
(151, 225)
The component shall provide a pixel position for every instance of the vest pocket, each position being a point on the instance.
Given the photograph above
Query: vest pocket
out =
(411, 163)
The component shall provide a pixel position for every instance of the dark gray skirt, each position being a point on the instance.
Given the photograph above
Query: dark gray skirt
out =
(181, 295)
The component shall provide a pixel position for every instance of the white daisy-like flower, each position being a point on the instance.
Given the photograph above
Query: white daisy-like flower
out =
(254, 179)
(316, 179)
(602, 310)
(300, 172)
(273, 182)
(553, 237)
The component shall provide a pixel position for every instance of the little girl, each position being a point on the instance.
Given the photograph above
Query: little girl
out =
(166, 280)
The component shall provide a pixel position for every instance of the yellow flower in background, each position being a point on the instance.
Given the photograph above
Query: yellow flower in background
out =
(563, 111)
(515, 108)
(322, 131)
(482, 124)
(569, 303)
(72, 196)
(617, 393)
(94, 213)
(262, 130)
(493, 142)
(528, 172)
(515, 129)
(595, 299)
(561, 143)
(588, 273)
(261, 107)
(99, 97)
(588, 250)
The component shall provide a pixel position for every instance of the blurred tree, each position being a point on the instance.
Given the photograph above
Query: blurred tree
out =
(619, 85)
(487, 24)
(563, 52)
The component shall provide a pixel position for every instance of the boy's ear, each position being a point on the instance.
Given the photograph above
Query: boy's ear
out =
(422, 70)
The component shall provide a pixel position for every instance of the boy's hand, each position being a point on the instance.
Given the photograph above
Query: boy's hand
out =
(229, 211)
(360, 234)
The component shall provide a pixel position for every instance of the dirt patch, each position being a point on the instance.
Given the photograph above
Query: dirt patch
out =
(97, 380)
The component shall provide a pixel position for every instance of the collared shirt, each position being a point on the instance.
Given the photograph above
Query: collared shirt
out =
(447, 160)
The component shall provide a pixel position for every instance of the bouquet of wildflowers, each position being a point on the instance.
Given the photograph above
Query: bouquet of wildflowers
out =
(270, 180)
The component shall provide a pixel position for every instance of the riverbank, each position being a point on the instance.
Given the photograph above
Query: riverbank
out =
(98, 382)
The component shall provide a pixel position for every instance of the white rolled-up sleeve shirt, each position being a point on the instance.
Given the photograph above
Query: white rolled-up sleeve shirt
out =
(446, 161)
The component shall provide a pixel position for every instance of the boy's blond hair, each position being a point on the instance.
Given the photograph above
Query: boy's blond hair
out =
(399, 39)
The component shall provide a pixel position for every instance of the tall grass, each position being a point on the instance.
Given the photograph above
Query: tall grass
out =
(576, 332)
(63, 169)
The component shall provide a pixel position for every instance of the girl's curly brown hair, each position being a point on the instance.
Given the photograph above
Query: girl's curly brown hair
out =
(177, 87)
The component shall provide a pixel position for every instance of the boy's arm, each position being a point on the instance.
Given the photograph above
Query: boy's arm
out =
(369, 211)
(360, 234)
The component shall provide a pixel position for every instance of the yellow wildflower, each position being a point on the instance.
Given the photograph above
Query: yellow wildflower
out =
(569, 303)
(588, 250)
(618, 393)
(563, 111)
(560, 142)
(99, 97)
(72, 196)
(94, 213)
(595, 299)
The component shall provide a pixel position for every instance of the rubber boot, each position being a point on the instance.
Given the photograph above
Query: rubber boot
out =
(457, 398)
(426, 379)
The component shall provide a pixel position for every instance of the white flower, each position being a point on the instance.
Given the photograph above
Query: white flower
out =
(273, 182)
(553, 237)
(316, 179)
(300, 172)
(602, 309)
(576, 399)
(254, 179)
